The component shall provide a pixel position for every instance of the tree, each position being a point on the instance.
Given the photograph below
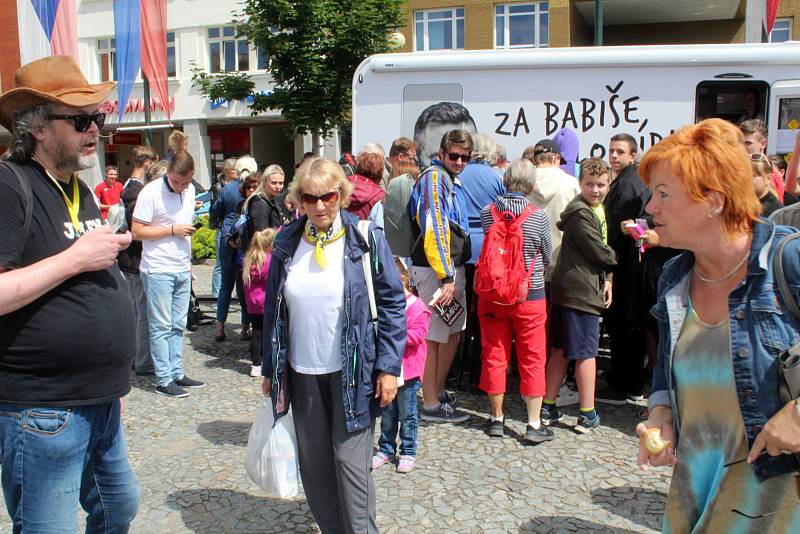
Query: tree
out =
(314, 47)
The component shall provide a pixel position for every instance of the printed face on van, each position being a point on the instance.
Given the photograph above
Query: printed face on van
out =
(429, 139)
(620, 156)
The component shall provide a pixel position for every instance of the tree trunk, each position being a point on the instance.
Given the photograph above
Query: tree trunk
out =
(315, 142)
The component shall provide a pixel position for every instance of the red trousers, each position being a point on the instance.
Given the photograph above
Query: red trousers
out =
(524, 322)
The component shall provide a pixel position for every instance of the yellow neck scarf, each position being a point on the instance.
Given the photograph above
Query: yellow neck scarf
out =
(336, 231)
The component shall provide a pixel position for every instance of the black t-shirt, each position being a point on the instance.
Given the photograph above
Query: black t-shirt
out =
(73, 345)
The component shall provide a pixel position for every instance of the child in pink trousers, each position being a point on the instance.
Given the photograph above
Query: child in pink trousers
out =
(254, 276)
(402, 411)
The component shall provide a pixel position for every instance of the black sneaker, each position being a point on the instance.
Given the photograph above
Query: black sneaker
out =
(538, 435)
(495, 428)
(448, 397)
(186, 382)
(443, 414)
(550, 415)
(586, 425)
(172, 390)
(609, 395)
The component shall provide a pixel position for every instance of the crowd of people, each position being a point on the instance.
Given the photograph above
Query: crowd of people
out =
(389, 259)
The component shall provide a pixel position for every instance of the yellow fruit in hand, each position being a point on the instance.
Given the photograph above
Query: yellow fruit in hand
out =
(652, 442)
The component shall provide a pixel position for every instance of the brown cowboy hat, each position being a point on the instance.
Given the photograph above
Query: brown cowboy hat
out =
(54, 79)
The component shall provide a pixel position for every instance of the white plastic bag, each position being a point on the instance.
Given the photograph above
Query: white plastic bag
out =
(271, 456)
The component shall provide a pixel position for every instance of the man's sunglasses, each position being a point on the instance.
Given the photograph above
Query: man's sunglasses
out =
(327, 198)
(452, 156)
(82, 120)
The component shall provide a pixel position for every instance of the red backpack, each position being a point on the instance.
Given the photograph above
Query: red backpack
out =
(500, 274)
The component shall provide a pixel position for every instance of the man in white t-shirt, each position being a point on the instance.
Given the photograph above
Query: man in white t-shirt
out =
(162, 220)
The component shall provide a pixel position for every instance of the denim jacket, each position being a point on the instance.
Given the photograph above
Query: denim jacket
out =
(761, 328)
(366, 349)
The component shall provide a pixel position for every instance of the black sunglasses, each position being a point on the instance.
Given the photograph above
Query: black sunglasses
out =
(327, 198)
(82, 120)
(452, 156)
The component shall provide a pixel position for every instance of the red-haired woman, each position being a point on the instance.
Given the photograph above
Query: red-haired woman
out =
(722, 325)
(367, 192)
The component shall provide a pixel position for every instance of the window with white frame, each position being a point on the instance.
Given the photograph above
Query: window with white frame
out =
(227, 53)
(107, 58)
(172, 69)
(521, 25)
(440, 29)
(781, 31)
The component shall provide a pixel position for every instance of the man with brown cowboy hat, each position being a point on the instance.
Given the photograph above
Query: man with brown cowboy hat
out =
(66, 319)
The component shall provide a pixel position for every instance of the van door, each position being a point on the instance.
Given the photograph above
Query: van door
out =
(783, 122)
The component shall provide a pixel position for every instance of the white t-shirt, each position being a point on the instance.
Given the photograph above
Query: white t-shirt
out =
(158, 205)
(314, 298)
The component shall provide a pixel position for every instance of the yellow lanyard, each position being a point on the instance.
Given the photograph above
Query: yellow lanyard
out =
(74, 205)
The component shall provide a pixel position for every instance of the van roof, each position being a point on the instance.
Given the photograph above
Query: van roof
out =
(787, 53)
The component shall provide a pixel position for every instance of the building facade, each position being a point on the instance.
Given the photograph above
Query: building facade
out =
(199, 35)
(478, 24)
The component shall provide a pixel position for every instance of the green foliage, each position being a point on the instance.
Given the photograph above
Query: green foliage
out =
(314, 48)
(235, 86)
(204, 241)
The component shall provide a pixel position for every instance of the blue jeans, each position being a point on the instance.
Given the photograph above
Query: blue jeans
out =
(216, 275)
(402, 411)
(56, 458)
(167, 306)
(231, 276)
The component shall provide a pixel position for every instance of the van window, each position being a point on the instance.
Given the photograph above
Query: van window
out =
(735, 101)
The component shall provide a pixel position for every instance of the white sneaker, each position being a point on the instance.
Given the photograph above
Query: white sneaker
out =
(255, 370)
(566, 396)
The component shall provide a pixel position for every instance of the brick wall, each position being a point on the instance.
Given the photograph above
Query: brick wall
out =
(9, 43)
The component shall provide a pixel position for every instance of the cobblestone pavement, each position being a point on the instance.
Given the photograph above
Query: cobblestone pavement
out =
(188, 455)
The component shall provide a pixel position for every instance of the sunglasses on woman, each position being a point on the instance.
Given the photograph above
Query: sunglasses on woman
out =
(327, 198)
(82, 121)
(758, 157)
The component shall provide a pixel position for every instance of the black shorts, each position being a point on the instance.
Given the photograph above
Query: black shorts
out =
(575, 331)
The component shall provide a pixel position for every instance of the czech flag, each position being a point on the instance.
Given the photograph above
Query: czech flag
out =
(140, 31)
(47, 28)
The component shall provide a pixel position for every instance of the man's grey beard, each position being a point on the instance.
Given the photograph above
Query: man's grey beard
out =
(86, 162)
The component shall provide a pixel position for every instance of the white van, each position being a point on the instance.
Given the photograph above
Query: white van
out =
(521, 96)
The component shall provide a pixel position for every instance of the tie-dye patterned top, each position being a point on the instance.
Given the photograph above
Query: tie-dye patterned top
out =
(706, 496)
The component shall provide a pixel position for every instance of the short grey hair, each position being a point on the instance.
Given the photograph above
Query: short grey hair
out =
(373, 148)
(483, 148)
(519, 177)
(23, 124)
(500, 153)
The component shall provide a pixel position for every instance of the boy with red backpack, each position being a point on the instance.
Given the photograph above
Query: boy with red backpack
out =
(509, 283)
(580, 290)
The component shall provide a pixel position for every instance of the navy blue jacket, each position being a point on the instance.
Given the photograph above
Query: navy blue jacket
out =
(226, 208)
(761, 329)
(366, 351)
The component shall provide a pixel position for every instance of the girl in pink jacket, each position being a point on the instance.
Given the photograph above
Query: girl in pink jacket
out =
(403, 410)
(254, 275)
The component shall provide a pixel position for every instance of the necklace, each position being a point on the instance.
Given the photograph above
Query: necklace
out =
(716, 280)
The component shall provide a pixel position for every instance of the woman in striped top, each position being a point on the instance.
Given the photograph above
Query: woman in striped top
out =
(525, 321)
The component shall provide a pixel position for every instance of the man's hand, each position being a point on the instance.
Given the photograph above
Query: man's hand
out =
(386, 388)
(781, 434)
(446, 293)
(183, 230)
(660, 417)
(265, 387)
(607, 293)
(97, 249)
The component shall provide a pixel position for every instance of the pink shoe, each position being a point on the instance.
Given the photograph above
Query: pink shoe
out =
(406, 464)
(379, 459)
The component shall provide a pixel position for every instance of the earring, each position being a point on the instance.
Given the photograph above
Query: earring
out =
(714, 212)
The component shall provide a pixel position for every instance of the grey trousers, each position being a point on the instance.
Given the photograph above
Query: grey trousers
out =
(142, 360)
(335, 465)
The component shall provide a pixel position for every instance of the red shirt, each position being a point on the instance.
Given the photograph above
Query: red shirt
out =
(108, 195)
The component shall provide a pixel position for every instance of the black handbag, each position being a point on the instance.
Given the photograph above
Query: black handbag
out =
(194, 315)
(789, 360)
